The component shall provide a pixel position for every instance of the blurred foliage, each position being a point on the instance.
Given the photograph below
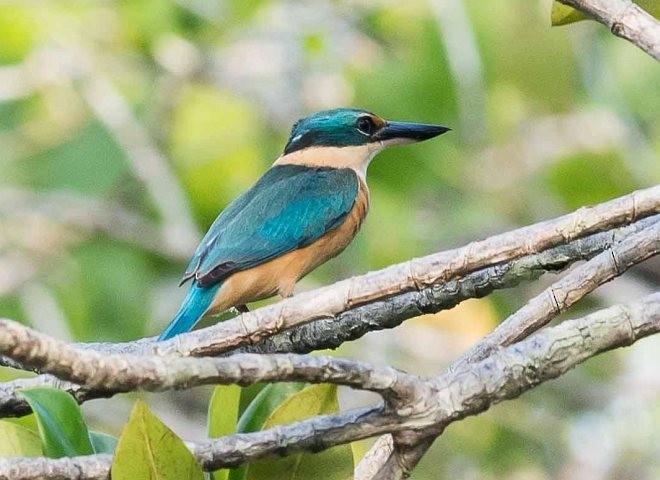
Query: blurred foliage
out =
(544, 121)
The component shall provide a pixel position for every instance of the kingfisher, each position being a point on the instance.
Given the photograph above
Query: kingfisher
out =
(302, 212)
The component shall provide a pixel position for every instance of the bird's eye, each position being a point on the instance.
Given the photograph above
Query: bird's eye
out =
(366, 125)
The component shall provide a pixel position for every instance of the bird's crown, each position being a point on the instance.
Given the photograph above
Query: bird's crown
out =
(340, 127)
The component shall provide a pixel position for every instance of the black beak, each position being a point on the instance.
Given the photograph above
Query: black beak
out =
(405, 132)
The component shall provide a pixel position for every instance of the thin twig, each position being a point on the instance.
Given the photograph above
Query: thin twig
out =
(559, 296)
(625, 19)
(376, 456)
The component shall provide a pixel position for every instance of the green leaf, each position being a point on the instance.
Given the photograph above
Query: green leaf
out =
(61, 427)
(265, 403)
(333, 464)
(102, 442)
(147, 448)
(258, 411)
(18, 441)
(563, 14)
(223, 416)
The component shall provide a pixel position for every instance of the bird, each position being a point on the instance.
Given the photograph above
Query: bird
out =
(302, 212)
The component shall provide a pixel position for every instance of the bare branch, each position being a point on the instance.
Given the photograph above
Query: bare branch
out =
(374, 458)
(404, 457)
(625, 19)
(352, 324)
(392, 311)
(124, 373)
(535, 314)
(91, 467)
(468, 391)
(562, 294)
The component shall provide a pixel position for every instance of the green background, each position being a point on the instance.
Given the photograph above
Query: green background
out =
(126, 126)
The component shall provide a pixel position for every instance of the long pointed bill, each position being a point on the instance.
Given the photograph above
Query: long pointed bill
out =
(397, 133)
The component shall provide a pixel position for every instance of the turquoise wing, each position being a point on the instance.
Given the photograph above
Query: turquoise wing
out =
(290, 207)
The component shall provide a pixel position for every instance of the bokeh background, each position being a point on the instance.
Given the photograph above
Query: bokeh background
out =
(126, 126)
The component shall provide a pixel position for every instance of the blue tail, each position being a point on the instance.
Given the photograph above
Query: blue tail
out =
(192, 309)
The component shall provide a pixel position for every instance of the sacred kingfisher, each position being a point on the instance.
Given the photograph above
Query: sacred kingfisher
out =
(302, 212)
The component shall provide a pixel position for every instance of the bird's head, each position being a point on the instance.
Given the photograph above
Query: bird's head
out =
(348, 127)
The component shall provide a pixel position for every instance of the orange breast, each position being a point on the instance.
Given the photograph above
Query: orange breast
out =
(281, 274)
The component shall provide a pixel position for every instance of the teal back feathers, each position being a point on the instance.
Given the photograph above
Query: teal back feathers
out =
(290, 207)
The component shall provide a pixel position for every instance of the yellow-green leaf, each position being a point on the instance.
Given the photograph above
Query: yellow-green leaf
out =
(18, 441)
(563, 14)
(62, 429)
(265, 403)
(223, 417)
(147, 448)
(333, 464)
(260, 409)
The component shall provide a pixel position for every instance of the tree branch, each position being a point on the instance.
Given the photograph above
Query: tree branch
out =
(392, 311)
(412, 276)
(124, 373)
(535, 314)
(415, 274)
(91, 467)
(467, 391)
(558, 297)
(352, 324)
(625, 19)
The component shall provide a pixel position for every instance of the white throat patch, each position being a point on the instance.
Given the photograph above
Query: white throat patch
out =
(355, 157)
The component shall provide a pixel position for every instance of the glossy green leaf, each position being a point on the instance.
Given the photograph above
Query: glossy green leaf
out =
(102, 442)
(333, 464)
(18, 441)
(62, 429)
(258, 411)
(223, 417)
(563, 14)
(147, 448)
